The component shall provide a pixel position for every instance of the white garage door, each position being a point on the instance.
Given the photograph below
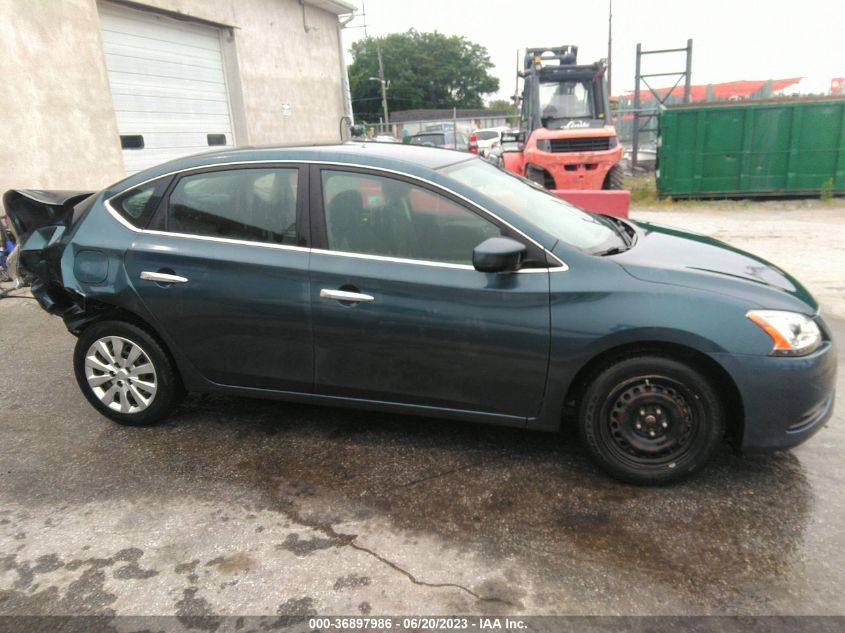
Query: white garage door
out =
(168, 86)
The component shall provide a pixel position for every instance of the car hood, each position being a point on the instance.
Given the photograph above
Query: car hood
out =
(666, 255)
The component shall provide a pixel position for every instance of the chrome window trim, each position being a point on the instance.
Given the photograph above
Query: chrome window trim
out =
(228, 240)
(387, 258)
(563, 267)
(424, 262)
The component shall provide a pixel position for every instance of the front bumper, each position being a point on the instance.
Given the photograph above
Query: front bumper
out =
(785, 400)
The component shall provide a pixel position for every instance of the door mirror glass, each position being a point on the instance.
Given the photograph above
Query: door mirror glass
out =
(498, 255)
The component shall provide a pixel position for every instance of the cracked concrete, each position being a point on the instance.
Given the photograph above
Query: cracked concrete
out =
(242, 507)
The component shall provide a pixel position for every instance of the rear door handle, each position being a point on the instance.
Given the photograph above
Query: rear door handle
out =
(163, 278)
(345, 295)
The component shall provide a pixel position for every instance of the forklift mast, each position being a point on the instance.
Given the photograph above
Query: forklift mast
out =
(555, 70)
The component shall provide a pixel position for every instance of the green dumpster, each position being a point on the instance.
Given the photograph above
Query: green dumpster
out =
(778, 147)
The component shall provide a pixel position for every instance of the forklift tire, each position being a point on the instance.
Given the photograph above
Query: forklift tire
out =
(615, 178)
(540, 176)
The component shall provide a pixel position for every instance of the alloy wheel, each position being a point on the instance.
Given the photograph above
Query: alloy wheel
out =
(120, 374)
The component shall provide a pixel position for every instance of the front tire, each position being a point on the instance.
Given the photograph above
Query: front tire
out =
(125, 373)
(615, 178)
(650, 420)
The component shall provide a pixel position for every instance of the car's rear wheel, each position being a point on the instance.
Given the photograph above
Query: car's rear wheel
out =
(125, 373)
(651, 420)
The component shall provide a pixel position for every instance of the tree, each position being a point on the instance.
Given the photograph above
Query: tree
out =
(504, 104)
(423, 70)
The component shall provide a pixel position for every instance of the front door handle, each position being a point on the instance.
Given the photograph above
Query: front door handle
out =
(345, 295)
(163, 278)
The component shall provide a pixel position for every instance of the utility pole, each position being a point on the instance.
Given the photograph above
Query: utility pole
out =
(383, 86)
(609, 47)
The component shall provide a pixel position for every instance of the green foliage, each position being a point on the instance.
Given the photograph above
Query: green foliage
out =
(642, 189)
(504, 104)
(424, 70)
(826, 192)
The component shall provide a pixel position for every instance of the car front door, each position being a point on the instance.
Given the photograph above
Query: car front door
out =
(399, 313)
(223, 268)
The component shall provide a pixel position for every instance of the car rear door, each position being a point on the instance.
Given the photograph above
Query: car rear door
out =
(223, 268)
(399, 313)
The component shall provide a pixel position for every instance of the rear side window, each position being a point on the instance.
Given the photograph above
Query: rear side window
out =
(138, 205)
(427, 139)
(252, 204)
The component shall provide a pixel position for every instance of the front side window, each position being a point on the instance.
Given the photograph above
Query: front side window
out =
(376, 215)
(252, 204)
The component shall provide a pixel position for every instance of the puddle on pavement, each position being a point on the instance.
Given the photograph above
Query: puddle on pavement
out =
(499, 491)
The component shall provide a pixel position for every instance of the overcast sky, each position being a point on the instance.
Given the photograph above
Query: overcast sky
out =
(732, 39)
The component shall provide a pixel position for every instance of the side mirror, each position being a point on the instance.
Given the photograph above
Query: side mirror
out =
(498, 255)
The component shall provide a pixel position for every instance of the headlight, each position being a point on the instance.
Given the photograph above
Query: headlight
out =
(792, 333)
(544, 145)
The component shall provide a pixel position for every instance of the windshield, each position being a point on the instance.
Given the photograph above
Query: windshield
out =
(566, 100)
(542, 209)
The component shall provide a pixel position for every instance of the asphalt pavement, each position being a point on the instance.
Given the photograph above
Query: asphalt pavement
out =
(239, 506)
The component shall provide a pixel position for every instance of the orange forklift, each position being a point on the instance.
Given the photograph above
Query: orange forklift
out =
(566, 139)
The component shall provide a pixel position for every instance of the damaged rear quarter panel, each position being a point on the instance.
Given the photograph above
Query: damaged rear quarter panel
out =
(89, 279)
(75, 293)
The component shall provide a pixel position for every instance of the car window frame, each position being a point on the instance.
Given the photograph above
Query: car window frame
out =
(319, 234)
(158, 222)
(309, 208)
(115, 200)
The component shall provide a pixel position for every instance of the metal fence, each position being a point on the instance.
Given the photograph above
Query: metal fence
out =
(458, 129)
(456, 125)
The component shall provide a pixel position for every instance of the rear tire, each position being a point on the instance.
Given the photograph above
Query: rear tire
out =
(650, 420)
(125, 373)
(540, 176)
(615, 178)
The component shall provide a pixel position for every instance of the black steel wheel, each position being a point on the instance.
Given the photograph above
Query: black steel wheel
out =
(651, 420)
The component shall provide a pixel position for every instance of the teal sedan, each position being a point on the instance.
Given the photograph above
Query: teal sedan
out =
(424, 281)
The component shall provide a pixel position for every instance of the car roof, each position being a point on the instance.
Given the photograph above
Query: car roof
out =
(414, 159)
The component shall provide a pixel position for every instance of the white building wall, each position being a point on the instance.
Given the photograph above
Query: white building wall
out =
(57, 123)
(278, 63)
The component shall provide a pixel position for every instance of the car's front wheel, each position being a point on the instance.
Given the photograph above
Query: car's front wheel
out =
(125, 373)
(651, 420)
